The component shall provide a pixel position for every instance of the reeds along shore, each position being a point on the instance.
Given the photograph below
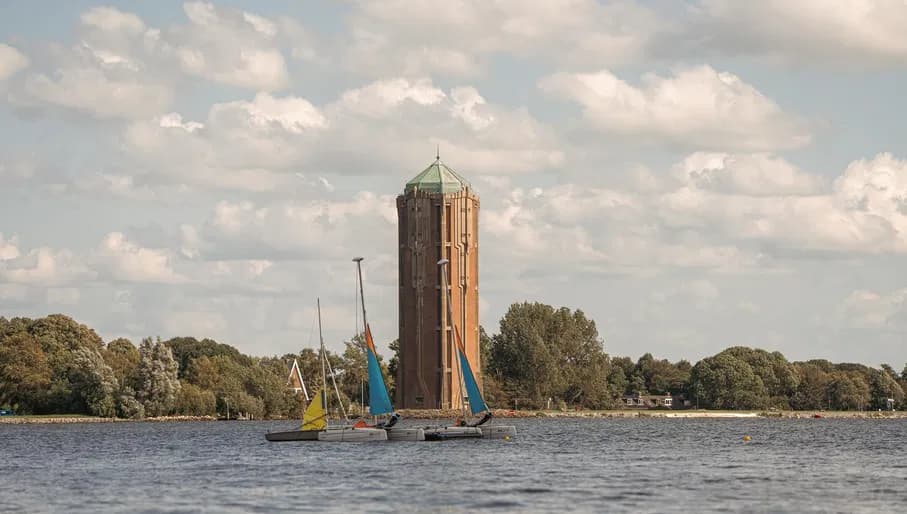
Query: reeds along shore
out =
(438, 414)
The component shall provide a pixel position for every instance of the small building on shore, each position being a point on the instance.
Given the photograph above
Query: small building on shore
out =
(295, 381)
(652, 401)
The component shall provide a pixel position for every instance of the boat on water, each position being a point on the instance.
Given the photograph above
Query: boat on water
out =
(315, 425)
(378, 397)
(463, 429)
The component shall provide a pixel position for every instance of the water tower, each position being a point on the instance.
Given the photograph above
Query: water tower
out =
(438, 215)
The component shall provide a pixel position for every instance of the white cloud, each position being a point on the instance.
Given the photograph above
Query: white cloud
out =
(112, 20)
(92, 91)
(870, 309)
(255, 145)
(878, 188)
(382, 97)
(9, 248)
(697, 107)
(725, 213)
(107, 73)
(121, 68)
(240, 146)
(601, 231)
(44, 267)
(292, 114)
(228, 46)
(862, 213)
(127, 261)
(748, 174)
(402, 37)
(849, 33)
(11, 61)
(316, 229)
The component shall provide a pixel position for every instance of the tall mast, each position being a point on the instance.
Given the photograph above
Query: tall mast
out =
(358, 261)
(324, 377)
(444, 284)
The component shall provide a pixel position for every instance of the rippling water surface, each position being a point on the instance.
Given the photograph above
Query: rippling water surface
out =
(594, 465)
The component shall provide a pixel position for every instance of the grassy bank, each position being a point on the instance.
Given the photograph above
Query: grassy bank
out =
(79, 418)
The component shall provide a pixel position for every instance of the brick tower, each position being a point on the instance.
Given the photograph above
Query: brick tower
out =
(438, 215)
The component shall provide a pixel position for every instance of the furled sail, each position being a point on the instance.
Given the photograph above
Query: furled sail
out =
(315, 417)
(378, 399)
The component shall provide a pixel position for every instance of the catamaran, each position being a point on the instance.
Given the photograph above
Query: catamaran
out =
(315, 425)
(477, 405)
(379, 403)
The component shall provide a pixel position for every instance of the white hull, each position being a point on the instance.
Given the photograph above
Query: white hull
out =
(352, 435)
(498, 431)
(445, 433)
(405, 434)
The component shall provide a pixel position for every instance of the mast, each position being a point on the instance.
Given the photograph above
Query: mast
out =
(379, 399)
(324, 378)
(444, 280)
(358, 261)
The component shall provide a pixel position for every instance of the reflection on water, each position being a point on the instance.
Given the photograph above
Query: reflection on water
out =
(594, 465)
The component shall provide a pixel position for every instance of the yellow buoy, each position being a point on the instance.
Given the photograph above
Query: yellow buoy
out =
(506, 437)
(747, 438)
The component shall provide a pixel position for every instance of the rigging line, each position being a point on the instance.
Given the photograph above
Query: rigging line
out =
(337, 391)
(312, 328)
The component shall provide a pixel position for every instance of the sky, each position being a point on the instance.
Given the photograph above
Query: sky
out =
(691, 175)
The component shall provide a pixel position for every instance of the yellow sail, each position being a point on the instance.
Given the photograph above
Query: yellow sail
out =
(314, 417)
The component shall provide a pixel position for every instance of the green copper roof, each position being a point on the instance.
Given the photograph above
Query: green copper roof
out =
(437, 178)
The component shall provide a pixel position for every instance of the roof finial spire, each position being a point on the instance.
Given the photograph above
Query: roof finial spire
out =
(438, 153)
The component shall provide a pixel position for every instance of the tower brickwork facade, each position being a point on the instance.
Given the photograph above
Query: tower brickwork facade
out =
(438, 217)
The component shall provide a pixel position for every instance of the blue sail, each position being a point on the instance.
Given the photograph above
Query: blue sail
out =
(378, 399)
(476, 402)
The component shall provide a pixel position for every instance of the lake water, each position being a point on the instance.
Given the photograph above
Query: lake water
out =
(554, 465)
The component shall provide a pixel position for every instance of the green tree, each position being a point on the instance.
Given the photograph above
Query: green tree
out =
(543, 353)
(660, 376)
(778, 376)
(25, 373)
(393, 366)
(882, 386)
(123, 358)
(187, 349)
(195, 401)
(128, 406)
(158, 376)
(849, 390)
(725, 381)
(813, 389)
(94, 381)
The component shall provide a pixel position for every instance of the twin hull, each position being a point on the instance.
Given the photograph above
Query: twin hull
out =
(498, 431)
(405, 434)
(455, 432)
(352, 435)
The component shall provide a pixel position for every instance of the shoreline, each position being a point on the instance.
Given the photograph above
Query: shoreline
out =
(434, 414)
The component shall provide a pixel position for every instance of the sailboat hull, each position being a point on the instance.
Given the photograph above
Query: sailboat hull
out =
(352, 435)
(498, 431)
(405, 434)
(293, 435)
(445, 433)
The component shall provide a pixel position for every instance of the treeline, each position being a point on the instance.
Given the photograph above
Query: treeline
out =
(543, 354)
(55, 365)
(541, 357)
